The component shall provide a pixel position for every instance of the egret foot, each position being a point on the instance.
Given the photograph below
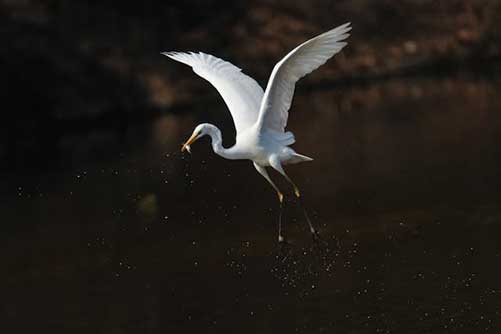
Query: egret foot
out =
(284, 251)
(283, 243)
(317, 239)
(281, 239)
(308, 220)
(296, 192)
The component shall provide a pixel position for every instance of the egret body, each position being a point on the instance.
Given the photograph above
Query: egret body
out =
(260, 117)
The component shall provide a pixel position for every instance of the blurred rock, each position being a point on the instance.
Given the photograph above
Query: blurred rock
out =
(148, 206)
(74, 67)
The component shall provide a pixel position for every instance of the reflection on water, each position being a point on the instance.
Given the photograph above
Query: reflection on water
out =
(404, 187)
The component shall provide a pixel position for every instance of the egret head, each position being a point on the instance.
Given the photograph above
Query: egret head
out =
(200, 131)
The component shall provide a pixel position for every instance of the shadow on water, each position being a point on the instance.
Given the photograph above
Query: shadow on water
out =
(404, 188)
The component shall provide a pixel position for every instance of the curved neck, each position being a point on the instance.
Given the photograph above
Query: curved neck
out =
(217, 143)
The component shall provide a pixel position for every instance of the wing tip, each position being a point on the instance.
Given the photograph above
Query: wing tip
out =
(344, 27)
(171, 54)
(338, 33)
(189, 58)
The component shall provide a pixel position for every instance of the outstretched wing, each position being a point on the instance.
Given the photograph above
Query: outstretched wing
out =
(301, 61)
(241, 93)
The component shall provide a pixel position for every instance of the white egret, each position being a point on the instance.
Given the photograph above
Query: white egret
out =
(261, 117)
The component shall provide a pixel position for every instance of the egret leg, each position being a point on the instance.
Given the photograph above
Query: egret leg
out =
(264, 173)
(276, 164)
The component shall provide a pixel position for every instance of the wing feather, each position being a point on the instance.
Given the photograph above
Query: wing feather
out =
(304, 59)
(241, 93)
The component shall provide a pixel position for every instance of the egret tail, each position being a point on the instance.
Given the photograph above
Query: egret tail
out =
(297, 158)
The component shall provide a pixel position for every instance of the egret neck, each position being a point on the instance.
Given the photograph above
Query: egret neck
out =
(217, 143)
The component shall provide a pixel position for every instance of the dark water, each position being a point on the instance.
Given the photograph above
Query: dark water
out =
(404, 189)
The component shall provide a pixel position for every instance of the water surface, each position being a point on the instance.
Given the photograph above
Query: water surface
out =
(126, 235)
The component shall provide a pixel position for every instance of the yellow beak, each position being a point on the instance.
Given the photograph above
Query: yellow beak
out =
(191, 140)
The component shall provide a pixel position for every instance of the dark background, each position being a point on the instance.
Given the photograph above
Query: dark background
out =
(107, 228)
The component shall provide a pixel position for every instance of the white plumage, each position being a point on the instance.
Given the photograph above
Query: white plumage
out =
(261, 117)
(241, 93)
(301, 61)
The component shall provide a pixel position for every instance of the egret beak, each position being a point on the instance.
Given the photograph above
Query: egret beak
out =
(191, 140)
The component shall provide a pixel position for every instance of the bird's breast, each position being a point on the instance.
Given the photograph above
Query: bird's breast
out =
(253, 148)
